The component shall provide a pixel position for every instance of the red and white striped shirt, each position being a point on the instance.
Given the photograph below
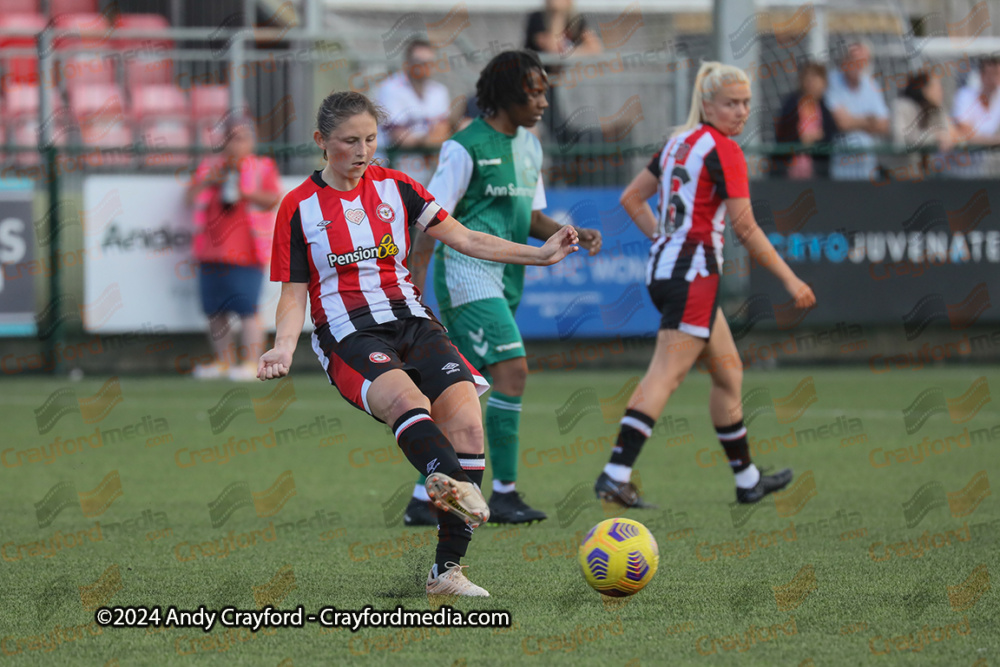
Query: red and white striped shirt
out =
(351, 248)
(698, 171)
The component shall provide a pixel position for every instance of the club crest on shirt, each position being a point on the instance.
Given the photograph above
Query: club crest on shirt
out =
(355, 215)
(385, 212)
(378, 357)
(682, 152)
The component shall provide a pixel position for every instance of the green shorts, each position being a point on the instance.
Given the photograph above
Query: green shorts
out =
(484, 332)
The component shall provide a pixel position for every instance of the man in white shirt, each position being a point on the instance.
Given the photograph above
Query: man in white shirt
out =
(418, 111)
(977, 108)
(861, 114)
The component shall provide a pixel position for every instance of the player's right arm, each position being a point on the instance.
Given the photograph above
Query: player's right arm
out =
(635, 201)
(290, 267)
(290, 317)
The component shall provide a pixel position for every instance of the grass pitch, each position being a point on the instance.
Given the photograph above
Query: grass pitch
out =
(882, 552)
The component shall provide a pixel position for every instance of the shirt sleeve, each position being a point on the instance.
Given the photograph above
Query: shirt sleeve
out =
(728, 170)
(654, 164)
(289, 256)
(539, 203)
(453, 174)
(421, 209)
(962, 107)
(880, 108)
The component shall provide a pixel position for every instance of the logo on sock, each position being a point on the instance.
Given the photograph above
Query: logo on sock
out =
(432, 466)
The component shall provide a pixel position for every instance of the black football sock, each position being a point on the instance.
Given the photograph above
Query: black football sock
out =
(425, 445)
(454, 534)
(734, 441)
(636, 427)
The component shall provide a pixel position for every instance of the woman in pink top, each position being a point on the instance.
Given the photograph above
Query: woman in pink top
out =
(234, 194)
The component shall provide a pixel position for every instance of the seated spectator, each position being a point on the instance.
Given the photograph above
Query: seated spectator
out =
(976, 112)
(418, 111)
(919, 121)
(805, 119)
(861, 115)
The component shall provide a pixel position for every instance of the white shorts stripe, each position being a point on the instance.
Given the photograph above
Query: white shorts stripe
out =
(637, 425)
(732, 436)
(365, 386)
(700, 332)
(409, 422)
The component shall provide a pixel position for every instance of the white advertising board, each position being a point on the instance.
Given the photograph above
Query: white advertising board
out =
(139, 275)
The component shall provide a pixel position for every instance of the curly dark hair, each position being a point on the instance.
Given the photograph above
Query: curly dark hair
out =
(501, 83)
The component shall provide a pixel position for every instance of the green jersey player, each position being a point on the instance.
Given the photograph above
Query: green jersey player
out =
(489, 176)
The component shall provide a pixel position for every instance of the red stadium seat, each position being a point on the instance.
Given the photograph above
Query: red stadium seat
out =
(159, 100)
(85, 30)
(99, 110)
(20, 114)
(19, 7)
(166, 133)
(209, 106)
(145, 62)
(20, 68)
(209, 102)
(57, 7)
(100, 99)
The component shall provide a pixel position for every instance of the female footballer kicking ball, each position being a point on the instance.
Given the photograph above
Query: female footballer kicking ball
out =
(701, 176)
(341, 240)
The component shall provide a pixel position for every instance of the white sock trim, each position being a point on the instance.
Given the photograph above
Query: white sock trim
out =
(618, 472)
(748, 478)
(500, 487)
(420, 492)
(637, 425)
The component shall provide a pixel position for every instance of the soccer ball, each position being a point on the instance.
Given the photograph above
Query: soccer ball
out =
(619, 557)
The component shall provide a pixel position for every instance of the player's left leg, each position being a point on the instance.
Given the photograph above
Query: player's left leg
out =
(503, 425)
(453, 387)
(726, 407)
(457, 412)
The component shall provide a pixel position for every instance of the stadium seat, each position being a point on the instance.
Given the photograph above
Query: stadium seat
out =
(145, 59)
(85, 30)
(99, 99)
(167, 133)
(209, 106)
(58, 7)
(159, 100)
(18, 69)
(99, 111)
(19, 7)
(82, 68)
(20, 119)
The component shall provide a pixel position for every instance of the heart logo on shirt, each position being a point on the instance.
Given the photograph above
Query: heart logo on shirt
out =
(355, 215)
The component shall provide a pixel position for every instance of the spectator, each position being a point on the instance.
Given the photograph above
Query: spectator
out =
(919, 120)
(805, 119)
(418, 111)
(233, 194)
(559, 30)
(861, 115)
(976, 111)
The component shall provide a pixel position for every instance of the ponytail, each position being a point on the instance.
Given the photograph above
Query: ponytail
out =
(712, 76)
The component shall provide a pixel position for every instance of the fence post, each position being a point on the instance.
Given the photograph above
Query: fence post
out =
(48, 119)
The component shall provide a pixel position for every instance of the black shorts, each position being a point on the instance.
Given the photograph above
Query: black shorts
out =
(687, 306)
(417, 345)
